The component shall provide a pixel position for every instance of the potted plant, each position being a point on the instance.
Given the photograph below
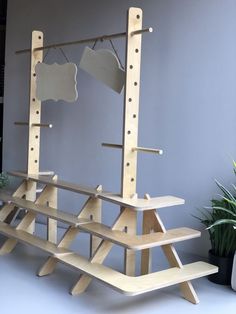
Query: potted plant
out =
(218, 220)
(4, 180)
(231, 221)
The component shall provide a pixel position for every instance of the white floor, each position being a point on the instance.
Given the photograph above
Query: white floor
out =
(22, 292)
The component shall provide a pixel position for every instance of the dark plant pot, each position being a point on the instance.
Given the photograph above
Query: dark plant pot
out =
(225, 264)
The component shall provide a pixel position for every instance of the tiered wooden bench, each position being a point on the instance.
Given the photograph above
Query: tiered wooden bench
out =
(123, 232)
(135, 242)
(116, 280)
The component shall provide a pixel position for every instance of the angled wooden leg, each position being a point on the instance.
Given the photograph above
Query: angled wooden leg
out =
(102, 252)
(26, 222)
(8, 208)
(91, 208)
(50, 265)
(174, 261)
(9, 244)
(189, 292)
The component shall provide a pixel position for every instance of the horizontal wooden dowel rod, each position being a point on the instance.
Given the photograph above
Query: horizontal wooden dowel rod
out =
(148, 150)
(112, 145)
(140, 31)
(86, 40)
(21, 123)
(42, 125)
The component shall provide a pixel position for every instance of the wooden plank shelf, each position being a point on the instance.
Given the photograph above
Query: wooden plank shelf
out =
(141, 204)
(137, 285)
(57, 183)
(139, 242)
(136, 204)
(44, 210)
(114, 279)
(135, 242)
(30, 239)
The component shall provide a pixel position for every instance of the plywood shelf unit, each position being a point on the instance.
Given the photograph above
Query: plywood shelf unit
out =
(114, 279)
(123, 232)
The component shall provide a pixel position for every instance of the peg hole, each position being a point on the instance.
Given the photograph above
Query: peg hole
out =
(131, 67)
(135, 83)
(36, 136)
(130, 99)
(132, 180)
(33, 99)
(37, 112)
(36, 161)
(134, 116)
(32, 148)
(39, 37)
(91, 217)
(34, 74)
(127, 164)
(138, 16)
(136, 50)
(129, 132)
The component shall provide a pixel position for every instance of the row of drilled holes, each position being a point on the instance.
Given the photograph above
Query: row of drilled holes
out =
(130, 99)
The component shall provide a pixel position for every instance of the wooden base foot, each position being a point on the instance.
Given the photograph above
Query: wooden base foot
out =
(81, 285)
(48, 267)
(188, 292)
(8, 246)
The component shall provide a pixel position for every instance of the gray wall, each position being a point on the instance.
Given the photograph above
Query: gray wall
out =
(188, 100)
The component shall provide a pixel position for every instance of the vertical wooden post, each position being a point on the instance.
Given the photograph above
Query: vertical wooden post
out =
(130, 126)
(52, 223)
(34, 117)
(146, 257)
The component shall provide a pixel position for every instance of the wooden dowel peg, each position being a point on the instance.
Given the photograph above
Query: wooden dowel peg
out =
(21, 123)
(99, 188)
(46, 173)
(140, 31)
(112, 145)
(147, 196)
(148, 150)
(42, 125)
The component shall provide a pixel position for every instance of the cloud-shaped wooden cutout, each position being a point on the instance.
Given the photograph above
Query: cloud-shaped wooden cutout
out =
(56, 81)
(104, 66)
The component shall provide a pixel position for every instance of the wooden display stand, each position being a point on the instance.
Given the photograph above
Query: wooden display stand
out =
(124, 230)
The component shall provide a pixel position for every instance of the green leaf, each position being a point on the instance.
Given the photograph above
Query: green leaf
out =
(226, 210)
(222, 221)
